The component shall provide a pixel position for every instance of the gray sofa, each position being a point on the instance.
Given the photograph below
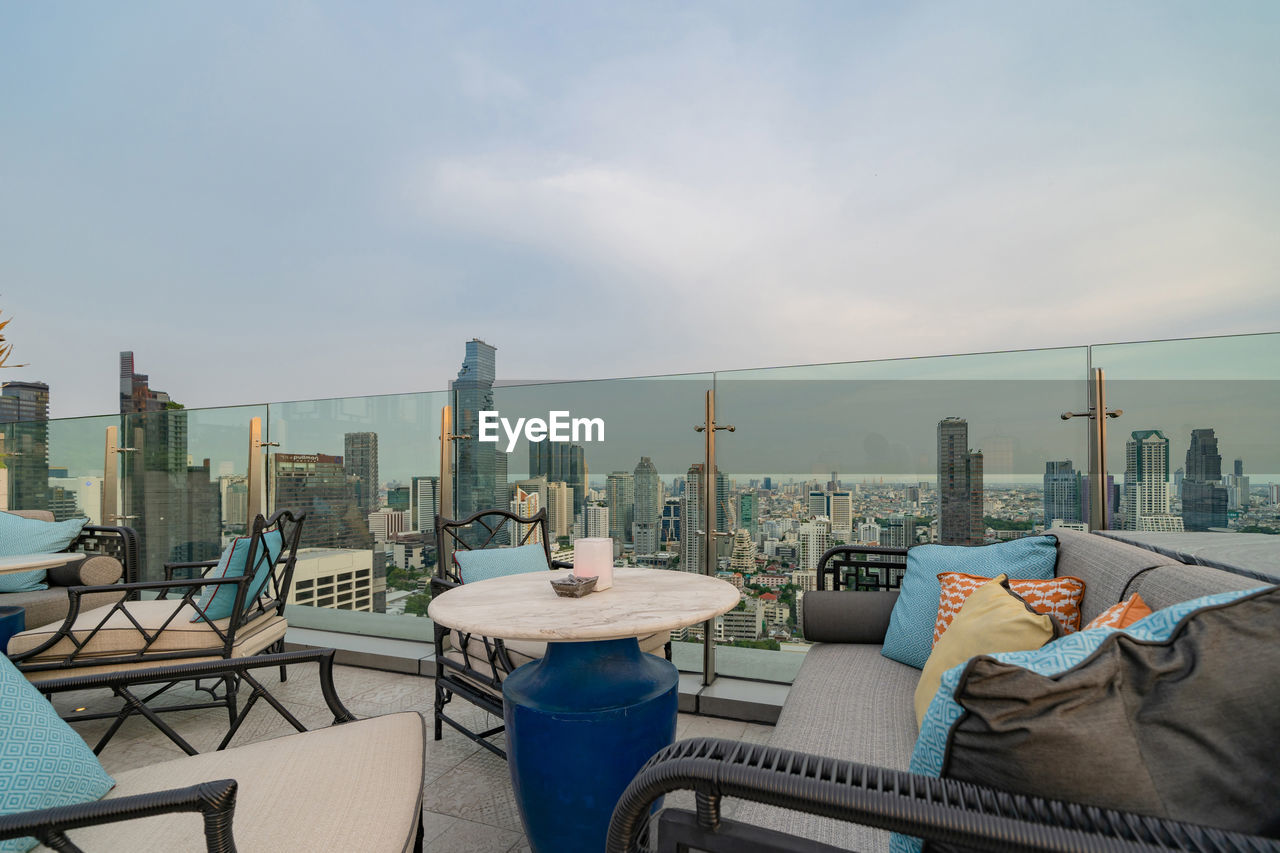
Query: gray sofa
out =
(850, 702)
(112, 557)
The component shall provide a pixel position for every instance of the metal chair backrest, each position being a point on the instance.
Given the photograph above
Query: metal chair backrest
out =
(276, 590)
(489, 528)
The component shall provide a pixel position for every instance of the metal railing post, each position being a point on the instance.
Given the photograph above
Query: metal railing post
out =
(257, 481)
(111, 477)
(1098, 415)
(709, 533)
(444, 549)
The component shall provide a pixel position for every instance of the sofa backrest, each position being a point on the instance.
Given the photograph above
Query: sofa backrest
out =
(1113, 571)
(37, 514)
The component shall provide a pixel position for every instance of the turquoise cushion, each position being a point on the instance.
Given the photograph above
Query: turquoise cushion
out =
(217, 602)
(910, 636)
(488, 563)
(20, 535)
(1053, 659)
(43, 763)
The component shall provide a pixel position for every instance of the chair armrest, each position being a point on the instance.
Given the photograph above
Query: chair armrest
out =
(835, 562)
(847, 617)
(199, 564)
(938, 810)
(210, 669)
(216, 802)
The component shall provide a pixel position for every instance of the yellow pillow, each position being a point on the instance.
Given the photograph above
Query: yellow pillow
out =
(991, 620)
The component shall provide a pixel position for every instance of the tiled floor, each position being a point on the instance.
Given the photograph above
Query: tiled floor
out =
(468, 806)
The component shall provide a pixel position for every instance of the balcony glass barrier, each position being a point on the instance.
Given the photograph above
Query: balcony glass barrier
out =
(1195, 452)
(856, 453)
(56, 465)
(624, 474)
(366, 471)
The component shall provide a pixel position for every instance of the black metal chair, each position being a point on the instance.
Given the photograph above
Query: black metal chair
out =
(161, 623)
(472, 666)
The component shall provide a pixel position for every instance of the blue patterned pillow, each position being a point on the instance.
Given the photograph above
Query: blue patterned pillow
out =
(20, 535)
(43, 763)
(910, 636)
(485, 563)
(1054, 659)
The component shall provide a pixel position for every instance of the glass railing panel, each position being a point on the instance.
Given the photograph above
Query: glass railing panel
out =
(1196, 449)
(625, 474)
(365, 470)
(843, 453)
(182, 481)
(55, 465)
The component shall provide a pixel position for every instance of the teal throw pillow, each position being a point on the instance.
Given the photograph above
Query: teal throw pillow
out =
(218, 601)
(20, 535)
(1036, 722)
(910, 636)
(488, 563)
(43, 762)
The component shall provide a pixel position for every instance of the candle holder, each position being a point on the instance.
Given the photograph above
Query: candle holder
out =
(593, 558)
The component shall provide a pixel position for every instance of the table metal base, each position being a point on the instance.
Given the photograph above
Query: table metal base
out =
(13, 620)
(580, 723)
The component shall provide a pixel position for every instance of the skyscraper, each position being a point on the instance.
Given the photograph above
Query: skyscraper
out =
(559, 510)
(620, 491)
(316, 483)
(561, 462)
(647, 519)
(840, 509)
(1146, 482)
(24, 407)
(748, 513)
(1204, 498)
(525, 504)
(692, 520)
(1061, 492)
(473, 393)
(135, 390)
(425, 503)
(360, 463)
(671, 521)
(725, 522)
(959, 485)
(819, 504)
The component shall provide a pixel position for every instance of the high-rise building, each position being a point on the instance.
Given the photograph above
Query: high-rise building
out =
(534, 485)
(1061, 492)
(819, 504)
(959, 485)
(725, 521)
(473, 393)
(898, 531)
(425, 503)
(647, 515)
(400, 497)
(316, 483)
(24, 408)
(561, 462)
(748, 513)
(1239, 493)
(671, 518)
(1204, 498)
(559, 509)
(868, 531)
(743, 557)
(235, 502)
(597, 522)
(621, 494)
(692, 520)
(360, 463)
(1146, 482)
(525, 504)
(840, 510)
(136, 394)
(814, 537)
(386, 523)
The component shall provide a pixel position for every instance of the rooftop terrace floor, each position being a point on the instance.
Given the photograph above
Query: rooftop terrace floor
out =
(468, 805)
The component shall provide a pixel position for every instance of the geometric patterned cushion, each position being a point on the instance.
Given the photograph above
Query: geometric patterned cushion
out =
(20, 535)
(1122, 615)
(485, 563)
(43, 763)
(1054, 658)
(909, 636)
(1056, 597)
(218, 601)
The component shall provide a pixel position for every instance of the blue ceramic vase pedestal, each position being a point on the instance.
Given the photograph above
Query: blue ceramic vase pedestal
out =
(580, 723)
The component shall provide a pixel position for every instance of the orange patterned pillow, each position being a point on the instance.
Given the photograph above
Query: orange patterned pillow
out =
(1056, 597)
(1121, 615)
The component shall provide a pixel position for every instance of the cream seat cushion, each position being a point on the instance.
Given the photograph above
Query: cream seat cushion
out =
(356, 786)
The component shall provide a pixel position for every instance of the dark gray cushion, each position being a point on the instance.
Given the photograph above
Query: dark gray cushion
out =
(1167, 585)
(847, 617)
(1181, 727)
(1106, 566)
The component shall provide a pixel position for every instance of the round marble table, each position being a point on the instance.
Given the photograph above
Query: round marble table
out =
(587, 716)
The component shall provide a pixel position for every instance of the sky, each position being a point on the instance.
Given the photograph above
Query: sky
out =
(304, 200)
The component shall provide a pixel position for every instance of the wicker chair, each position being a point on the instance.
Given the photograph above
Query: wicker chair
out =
(168, 625)
(472, 666)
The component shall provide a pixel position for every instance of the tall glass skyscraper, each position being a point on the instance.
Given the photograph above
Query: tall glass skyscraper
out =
(1061, 492)
(647, 523)
(473, 393)
(959, 485)
(1204, 498)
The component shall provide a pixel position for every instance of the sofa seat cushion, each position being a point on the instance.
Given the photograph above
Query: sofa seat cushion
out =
(848, 702)
(119, 635)
(356, 786)
(50, 606)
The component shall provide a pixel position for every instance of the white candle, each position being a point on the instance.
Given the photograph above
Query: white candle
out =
(593, 558)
